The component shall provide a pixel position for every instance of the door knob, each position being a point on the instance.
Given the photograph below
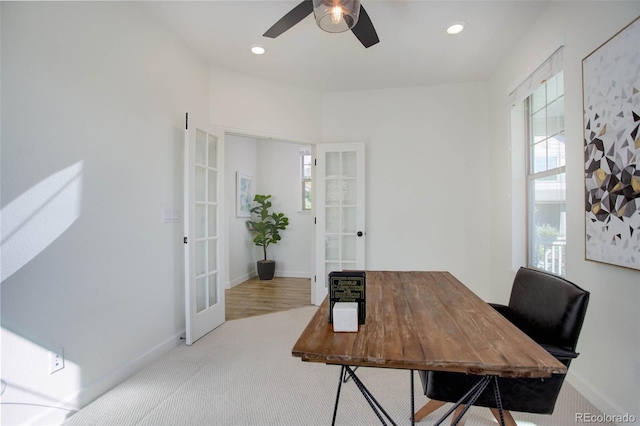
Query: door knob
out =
(359, 234)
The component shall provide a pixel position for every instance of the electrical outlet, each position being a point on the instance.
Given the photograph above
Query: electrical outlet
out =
(56, 360)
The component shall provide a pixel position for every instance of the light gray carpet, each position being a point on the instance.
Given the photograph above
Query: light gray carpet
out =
(243, 373)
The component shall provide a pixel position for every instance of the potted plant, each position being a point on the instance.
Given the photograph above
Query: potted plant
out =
(267, 229)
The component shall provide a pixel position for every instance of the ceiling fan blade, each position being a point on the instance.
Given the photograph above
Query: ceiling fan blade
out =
(294, 16)
(364, 30)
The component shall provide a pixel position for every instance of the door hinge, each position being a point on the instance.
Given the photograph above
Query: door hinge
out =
(185, 240)
(186, 121)
(315, 220)
(315, 161)
(314, 278)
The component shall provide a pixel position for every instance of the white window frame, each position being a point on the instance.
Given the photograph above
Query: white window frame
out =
(305, 180)
(520, 163)
(553, 257)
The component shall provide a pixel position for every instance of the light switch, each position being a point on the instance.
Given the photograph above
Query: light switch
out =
(169, 216)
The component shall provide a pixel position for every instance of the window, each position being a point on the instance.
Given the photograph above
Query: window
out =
(546, 182)
(305, 175)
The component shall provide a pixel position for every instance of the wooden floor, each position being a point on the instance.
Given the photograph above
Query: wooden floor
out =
(256, 297)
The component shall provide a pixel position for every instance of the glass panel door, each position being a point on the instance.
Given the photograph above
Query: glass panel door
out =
(340, 212)
(206, 207)
(204, 294)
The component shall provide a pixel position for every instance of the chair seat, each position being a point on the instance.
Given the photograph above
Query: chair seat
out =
(528, 395)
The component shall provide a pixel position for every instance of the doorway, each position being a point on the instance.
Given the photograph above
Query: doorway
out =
(274, 168)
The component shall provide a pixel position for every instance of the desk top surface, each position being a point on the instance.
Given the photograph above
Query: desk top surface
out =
(426, 321)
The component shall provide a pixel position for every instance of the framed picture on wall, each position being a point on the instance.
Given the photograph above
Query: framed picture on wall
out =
(611, 100)
(244, 194)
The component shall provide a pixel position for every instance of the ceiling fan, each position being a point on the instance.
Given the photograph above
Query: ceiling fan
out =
(333, 16)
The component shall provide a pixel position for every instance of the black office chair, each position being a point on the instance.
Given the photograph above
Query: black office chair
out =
(550, 310)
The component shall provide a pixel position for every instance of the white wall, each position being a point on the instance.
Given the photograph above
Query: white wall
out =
(279, 175)
(609, 365)
(93, 103)
(240, 156)
(255, 106)
(427, 175)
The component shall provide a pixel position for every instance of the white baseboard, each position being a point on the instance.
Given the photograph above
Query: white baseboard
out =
(282, 274)
(592, 394)
(90, 392)
(293, 274)
(239, 280)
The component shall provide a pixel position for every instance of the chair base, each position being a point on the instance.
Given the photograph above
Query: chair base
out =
(427, 409)
(433, 405)
(508, 418)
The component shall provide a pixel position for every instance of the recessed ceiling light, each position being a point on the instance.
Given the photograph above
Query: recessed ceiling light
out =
(257, 50)
(456, 27)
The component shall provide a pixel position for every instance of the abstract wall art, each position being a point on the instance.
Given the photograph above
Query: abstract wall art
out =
(611, 100)
(244, 194)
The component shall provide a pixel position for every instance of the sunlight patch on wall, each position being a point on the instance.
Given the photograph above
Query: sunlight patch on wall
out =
(35, 219)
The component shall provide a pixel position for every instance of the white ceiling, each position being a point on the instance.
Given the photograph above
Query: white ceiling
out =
(414, 48)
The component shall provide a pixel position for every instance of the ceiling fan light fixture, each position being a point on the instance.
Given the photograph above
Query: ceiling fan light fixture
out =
(336, 16)
(456, 27)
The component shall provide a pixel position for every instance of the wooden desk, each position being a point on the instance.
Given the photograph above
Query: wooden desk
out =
(426, 321)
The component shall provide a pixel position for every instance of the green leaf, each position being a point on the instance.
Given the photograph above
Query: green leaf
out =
(267, 224)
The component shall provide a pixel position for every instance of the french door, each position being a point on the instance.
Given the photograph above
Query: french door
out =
(340, 212)
(203, 214)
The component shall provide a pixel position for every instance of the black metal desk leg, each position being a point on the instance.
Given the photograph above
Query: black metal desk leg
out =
(413, 410)
(496, 394)
(468, 399)
(345, 378)
(335, 409)
(472, 400)
(373, 403)
(346, 372)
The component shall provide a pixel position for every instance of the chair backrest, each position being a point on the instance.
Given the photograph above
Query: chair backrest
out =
(548, 308)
